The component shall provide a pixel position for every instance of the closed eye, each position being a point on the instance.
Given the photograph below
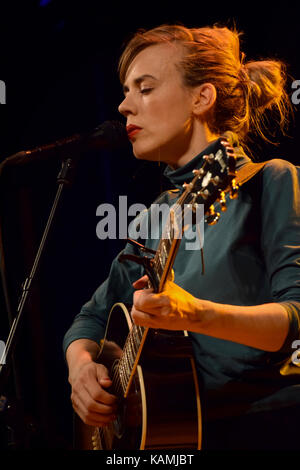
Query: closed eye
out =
(146, 90)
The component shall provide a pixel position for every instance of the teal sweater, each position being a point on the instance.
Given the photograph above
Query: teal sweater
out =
(251, 257)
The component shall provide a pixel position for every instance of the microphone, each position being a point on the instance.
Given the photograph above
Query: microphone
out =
(109, 135)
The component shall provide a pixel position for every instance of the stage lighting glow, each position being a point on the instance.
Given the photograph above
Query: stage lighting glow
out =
(44, 3)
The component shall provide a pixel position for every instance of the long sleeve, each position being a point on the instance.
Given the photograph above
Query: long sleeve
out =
(281, 239)
(91, 322)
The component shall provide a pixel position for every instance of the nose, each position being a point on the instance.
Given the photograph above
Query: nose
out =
(127, 107)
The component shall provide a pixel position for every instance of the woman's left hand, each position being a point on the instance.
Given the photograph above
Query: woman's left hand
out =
(172, 309)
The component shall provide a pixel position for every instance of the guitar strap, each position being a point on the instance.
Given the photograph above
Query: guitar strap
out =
(247, 171)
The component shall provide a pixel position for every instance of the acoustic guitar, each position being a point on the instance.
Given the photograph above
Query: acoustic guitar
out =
(153, 371)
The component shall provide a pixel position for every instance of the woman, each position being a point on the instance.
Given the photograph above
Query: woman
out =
(183, 89)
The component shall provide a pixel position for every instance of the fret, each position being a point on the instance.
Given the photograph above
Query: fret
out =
(137, 335)
(166, 235)
(158, 265)
(140, 331)
(134, 337)
(172, 231)
(124, 381)
(164, 249)
(123, 362)
(126, 365)
(165, 245)
(161, 261)
(122, 378)
(131, 350)
(127, 357)
(132, 344)
(127, 360)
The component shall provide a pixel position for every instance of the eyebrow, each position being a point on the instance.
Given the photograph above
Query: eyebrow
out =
(139, 80)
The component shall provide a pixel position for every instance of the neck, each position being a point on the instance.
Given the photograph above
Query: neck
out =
(200, 139)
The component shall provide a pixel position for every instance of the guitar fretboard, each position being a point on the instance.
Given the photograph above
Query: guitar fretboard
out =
(122, 373)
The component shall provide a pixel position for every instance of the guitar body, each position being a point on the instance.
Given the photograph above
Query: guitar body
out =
(162, 407)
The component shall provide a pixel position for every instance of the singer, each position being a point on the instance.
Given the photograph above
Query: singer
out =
(183, 89)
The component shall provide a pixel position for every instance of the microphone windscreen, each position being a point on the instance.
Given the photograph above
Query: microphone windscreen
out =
(111, 134)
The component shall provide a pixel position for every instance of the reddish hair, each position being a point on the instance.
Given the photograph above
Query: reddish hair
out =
(212, 54)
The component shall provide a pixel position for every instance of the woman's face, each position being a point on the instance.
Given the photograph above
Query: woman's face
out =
(157, 102)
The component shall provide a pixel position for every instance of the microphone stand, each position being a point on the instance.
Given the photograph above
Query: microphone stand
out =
(63, 178)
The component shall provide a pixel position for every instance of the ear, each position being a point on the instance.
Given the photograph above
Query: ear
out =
(205, 96)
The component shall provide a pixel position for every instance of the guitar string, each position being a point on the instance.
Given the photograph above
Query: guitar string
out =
(177, 210)
(121, 374)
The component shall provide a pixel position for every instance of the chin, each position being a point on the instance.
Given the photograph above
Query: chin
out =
(153, 155)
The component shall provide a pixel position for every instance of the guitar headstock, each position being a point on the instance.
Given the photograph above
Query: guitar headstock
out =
(213, 180)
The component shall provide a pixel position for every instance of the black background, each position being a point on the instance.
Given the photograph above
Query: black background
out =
(59, 62)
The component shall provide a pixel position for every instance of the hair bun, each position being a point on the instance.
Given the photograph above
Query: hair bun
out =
(267, 79)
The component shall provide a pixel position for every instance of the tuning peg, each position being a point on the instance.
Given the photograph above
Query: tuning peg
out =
(187, 185)
(212, 217)
(215, 181)
(222, 201)
(234, 188)
(226, 144)
(209, 158)
(204, 193)
(198, 172)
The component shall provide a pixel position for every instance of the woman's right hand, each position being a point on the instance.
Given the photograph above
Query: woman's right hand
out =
(90, 381)
(90, 399)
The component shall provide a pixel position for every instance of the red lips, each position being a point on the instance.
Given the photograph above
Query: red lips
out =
(132, 130)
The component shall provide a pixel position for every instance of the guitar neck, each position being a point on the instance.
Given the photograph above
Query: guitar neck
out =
(166, 252)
